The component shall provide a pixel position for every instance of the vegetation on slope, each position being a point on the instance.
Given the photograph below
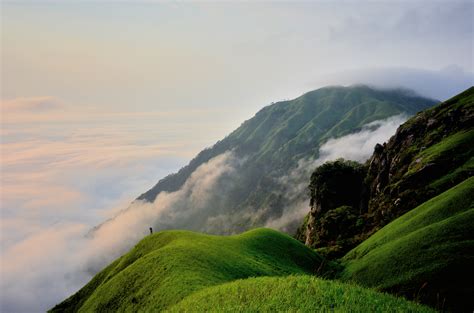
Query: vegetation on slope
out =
(426, 254)
(292, 294)
(167, 266)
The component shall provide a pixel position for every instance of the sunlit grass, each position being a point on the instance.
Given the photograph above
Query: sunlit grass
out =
(427, 248)
(293, 294)
(167, 266)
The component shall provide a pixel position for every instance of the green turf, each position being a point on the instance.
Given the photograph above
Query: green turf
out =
(428, 253)
(167, 266)
(456, 146)
(293, 294)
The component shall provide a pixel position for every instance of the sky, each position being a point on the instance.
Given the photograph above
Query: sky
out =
(101, 99)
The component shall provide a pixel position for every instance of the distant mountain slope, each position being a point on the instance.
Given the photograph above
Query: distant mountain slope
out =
(291, 128)
(165, 267)
(426, 254)
(270, 145)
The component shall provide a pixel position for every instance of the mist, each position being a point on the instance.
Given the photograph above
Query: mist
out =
(360, 146)
(439, 84)
(357, 146)
(74, 253)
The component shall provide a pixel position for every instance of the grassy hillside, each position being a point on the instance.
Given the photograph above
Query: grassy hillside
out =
(426, 254)
(293, 294)
(184, 271)
(165, 267)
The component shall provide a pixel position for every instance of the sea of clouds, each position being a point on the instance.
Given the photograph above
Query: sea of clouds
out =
(58, 260)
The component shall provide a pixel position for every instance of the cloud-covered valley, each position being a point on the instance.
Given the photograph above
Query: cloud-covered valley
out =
(66, 168)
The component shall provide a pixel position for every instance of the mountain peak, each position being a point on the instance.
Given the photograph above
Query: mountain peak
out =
(272, 143)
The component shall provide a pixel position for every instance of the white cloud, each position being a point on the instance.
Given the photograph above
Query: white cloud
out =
(360, 146)
(356, 146)
(436, 84)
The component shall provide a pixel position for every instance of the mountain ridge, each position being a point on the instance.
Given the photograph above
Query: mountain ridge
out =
(272, 143)
(249, 127)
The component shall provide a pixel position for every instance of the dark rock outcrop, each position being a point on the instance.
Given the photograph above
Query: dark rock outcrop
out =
(400, 177)
(336, 205)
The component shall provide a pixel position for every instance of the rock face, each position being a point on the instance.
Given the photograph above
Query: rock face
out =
(430, 153)
(402, 172)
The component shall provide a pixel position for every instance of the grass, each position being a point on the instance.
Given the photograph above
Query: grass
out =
(465, 170)
(301, 293)
(165, 267)
(458, 145)
(423, 253)
(260, 270)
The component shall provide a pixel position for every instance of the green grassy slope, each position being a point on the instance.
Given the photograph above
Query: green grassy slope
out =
(427, 254)
(165, 267)
(293, 294)
(455, 152)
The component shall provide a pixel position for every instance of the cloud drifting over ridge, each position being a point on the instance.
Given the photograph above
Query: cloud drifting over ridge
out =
(357, 146)
(436, 84)
(360, 146)
(171, 209)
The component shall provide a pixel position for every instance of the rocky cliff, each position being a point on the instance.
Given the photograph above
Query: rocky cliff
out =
(430, 153)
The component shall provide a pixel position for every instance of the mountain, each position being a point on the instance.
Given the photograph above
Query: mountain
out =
(264, 150)
(415, 255)
(413, 200)
(182, 271)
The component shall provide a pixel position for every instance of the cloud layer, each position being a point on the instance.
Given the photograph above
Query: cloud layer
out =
(66, 168)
